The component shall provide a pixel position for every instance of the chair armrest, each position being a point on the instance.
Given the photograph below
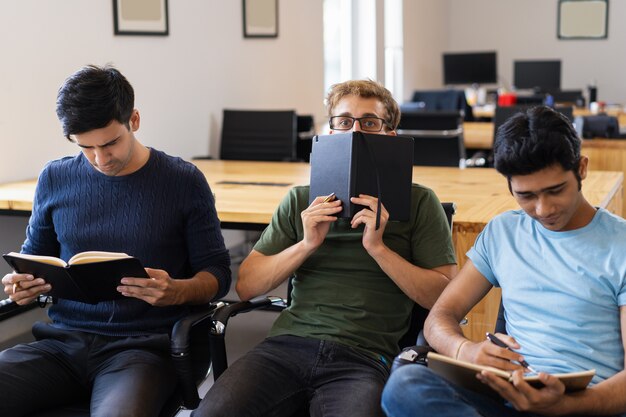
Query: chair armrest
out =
(181, 351)
(412, 355)
(220, 321)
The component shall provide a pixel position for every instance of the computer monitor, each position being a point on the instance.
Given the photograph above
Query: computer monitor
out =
(470, 68)
(538, 75)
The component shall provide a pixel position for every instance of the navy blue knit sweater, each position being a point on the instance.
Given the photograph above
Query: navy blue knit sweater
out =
(164, 214)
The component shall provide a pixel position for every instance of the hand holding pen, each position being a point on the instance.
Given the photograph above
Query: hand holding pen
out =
(493, 339)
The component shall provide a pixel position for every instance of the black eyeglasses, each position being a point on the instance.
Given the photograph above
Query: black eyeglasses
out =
(368, 124)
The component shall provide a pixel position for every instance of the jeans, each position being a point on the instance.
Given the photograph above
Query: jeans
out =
(124, 376)
(415, 390)
(284, 374)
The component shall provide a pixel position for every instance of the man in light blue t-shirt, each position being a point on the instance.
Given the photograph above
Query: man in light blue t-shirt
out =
(561, 264)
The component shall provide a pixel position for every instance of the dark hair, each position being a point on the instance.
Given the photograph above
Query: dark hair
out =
(536, 139)
(93, 97)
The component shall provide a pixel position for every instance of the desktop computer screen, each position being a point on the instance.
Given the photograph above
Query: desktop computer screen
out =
(538, 75)
(470, 68)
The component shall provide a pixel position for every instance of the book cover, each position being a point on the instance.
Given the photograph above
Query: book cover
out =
(463, 373)
(89, 277)
(349, 164)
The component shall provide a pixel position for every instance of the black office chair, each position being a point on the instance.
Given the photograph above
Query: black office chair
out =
(442, 151)
(443, 120)
(259, 135)
(306, 131)
(438, 100)
(598, 126)
(437, 137)
(222, 316)
(417, 355)
(192, 359)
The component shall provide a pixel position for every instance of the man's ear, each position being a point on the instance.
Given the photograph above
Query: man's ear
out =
(134, 120)
(582, 167)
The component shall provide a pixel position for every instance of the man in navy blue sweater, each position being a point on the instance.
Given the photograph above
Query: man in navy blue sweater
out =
(116, 195)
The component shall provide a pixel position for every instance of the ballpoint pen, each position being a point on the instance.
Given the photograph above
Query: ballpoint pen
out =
(329, 198)
(500, 343)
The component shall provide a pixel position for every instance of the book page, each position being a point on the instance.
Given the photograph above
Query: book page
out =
(50, 260)
(95, 256)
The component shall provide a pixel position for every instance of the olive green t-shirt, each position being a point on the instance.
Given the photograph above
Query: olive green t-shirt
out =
(340, 293)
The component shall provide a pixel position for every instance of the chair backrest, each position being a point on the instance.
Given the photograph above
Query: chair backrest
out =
(435, 100)
(444, 151)
(429, 120)
(259, 135)
(598, 126)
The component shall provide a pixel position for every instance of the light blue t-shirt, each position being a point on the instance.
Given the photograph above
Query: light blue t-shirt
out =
(561, 290)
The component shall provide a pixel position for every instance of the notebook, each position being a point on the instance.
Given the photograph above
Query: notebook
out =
(349, 164)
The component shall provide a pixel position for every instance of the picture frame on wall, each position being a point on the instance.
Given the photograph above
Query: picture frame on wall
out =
(140, 17)
(260, 18)
(583, 19)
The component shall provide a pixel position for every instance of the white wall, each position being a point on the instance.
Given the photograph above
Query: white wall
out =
(426, 35)
(516, 30)
(182, 81)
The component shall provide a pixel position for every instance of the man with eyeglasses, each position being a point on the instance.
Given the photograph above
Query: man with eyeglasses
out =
(354, 288)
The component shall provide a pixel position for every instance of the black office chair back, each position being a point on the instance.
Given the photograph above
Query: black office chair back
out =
(430, 120)
(259, 135)
(443, 151)
(437, 100)
(598, 126)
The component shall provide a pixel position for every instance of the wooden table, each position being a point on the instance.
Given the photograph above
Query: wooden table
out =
(245, 198)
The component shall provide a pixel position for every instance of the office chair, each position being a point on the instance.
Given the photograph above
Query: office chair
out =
(259, 135)
(441, 151)
(441, 100)
(192, 359)
(437, 137)
(221, 316)
(598, 126)
(304, 143)
(444, 120)
(416, 355)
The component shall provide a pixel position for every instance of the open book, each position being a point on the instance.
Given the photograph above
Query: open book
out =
(463, 373)
(88, 277)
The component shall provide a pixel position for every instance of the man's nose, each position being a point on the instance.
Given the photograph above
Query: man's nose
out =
(544, 206)
(356, 127)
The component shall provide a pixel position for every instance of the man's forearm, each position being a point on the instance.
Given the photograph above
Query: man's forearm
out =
(199, 289)
(259, 273)
(423, 285)
(605, 398)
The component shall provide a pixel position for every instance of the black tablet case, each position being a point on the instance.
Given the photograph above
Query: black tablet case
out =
(346, 164)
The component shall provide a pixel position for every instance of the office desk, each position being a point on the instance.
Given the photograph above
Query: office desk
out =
(479, 194)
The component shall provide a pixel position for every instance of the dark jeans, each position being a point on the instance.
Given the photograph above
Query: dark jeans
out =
(284, 373)
(126, 376)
